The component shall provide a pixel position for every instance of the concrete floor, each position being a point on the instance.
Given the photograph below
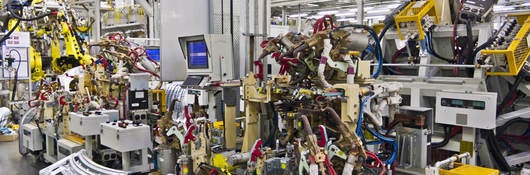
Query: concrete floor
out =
(12, 163)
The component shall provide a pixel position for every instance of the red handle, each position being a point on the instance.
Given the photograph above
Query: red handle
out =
(256, 152)
(188, 117)
(322, 141)
(259, 64)
(286, 64)
(189, 134)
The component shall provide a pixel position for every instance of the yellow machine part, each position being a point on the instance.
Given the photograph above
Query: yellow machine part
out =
(220, 161)
(414, 13)
(160, 95)
(55, 52)
(378, 27)
(518, 51)
(37, 73)
(462, 169)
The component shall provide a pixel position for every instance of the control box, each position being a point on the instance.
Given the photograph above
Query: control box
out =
(479, 8)
(66, 147)
(87, 124)
(138, 99)
(32, 137)
(125, 136)
(475, 110)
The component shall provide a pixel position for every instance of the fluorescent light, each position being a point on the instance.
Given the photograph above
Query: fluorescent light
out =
(375, 17)
(503, 8)
(312, 5)
(378, 11)
(315, 16)
(526, 4)
(391, 6)
(298, 15)
(353, 10)
(346, 19)
(328, 12)
(346, 14)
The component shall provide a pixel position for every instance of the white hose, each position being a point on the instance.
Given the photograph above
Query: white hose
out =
(313, 169)
(449, 160)
(350, 77)
(323, 61)
(348, 167)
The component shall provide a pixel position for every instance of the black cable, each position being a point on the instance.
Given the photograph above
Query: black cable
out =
(14, 14)
(16, 74)
(433, 52)
(6, 36)
(468, 51)
(445, 141)
(511, 93)
(383, 32)
(493, 147)
(488, 42)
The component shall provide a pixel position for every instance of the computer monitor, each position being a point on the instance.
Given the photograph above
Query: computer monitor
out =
(197, 54)
(208, 55)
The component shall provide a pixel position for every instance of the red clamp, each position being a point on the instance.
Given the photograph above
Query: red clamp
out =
(29, 103)
(189, 134)
(62, 100)
(188, 117)
(331, 170)
(286, 64)
(259, 64)
(256, 152)
(323, 136)
(276, 55)
(322, 24)
(264, 44)
(43, 96)
(156, 131)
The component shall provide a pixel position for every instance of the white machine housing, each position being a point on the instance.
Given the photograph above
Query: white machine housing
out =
(66, 147)
(131, 141)
(32, 137)
(220, 56)
(114, 115)
(87, 125)
(474, 110)
(125, 139)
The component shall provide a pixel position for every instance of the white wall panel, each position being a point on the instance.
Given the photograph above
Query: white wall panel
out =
(179, 18)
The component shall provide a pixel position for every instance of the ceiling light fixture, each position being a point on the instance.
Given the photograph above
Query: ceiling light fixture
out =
(331, 12)
(298, 15)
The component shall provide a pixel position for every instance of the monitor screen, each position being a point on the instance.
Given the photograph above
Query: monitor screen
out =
(197, 55)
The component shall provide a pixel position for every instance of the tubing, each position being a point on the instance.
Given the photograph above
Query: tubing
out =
(321, 69)
(390, 161)
(377, 45)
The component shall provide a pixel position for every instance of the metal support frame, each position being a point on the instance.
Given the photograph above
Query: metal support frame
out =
(422, 85)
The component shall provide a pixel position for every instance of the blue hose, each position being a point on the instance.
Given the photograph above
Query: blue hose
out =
(379, 54)
(390, 161)
(360, 120)
(377, 45)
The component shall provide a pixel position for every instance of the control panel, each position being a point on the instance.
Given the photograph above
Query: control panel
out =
(475, 110)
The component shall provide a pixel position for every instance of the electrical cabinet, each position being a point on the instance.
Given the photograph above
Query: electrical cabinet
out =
(66, 147)
(128, 138)
(32, 137)
(87, 124)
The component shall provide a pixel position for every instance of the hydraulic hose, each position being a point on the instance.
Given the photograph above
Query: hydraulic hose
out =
(377, 45)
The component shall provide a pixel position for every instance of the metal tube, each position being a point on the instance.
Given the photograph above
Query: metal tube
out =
(434, 65)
